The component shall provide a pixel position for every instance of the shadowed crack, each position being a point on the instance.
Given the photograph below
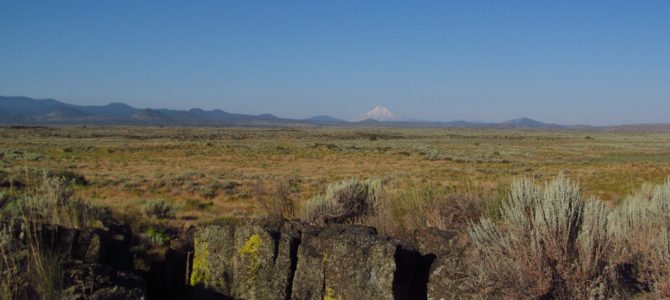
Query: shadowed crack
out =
(293, 254)
(410, 280)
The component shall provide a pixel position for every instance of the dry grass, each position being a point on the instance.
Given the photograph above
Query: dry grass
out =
(544, 240)
(214, 172)
(29, 271)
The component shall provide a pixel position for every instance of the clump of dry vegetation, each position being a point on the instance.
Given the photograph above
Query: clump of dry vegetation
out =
(53, 202)
(28, 269)
(277, 200)
(159, 209)
(345, 202)
(428, 207)
(640, 228)
(551, 242)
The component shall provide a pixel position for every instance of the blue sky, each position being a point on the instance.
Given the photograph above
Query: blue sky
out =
(592, 62)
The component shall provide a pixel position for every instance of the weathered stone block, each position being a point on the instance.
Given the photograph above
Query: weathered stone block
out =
(344, 262)
(247, 262)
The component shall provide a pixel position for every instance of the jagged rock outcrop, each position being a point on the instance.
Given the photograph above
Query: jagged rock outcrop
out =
(93, 263)
(98, 281)
(300, 261)
(258, 260)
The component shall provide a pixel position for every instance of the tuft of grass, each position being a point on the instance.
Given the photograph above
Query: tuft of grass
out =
(29, 271)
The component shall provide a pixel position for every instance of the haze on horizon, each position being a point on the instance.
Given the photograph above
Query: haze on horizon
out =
(569, 62)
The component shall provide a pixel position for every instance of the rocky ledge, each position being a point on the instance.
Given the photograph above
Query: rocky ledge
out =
(267, 260)
(90, 263)
(298, 261)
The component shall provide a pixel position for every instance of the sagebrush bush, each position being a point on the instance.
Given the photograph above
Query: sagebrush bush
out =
(345, 201)
(70, 176)
(53, 202)
(641, 229)
(550, 242)
(159, 209)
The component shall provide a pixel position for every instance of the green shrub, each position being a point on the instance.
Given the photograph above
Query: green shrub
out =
(159, 209)
(11, 154)
(157, 237)
(432, 155)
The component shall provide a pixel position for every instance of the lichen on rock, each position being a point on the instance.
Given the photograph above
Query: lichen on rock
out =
(200, 273)
(329, 294)
(250, 250)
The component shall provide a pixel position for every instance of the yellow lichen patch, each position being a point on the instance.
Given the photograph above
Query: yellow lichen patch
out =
(330, 294)
(250, 250)
(200, 273)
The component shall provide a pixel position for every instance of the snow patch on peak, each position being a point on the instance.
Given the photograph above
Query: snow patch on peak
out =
(378, 113)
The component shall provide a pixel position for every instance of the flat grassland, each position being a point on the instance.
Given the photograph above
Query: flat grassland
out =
(223, 172)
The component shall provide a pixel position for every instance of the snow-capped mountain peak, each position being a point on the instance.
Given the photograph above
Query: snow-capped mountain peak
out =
(379, 113)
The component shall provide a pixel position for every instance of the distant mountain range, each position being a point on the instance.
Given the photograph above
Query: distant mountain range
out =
(24, 110)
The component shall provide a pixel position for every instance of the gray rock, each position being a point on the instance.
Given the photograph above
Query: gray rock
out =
(299, 261)
(344, 262)
(246, 262)
(446, 267)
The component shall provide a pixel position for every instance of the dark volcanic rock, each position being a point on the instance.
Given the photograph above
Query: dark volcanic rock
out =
(93, 262)
(446, 266)
(249, 262)
(96, 281)
(300, 261)
(344, 262)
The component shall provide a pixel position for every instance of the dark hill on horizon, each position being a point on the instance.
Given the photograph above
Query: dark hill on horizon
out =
(24, 110)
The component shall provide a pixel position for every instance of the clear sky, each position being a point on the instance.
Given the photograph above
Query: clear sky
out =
(590, 62)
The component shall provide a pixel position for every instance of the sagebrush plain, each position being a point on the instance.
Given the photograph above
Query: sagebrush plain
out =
(219, 172)
(470, 184)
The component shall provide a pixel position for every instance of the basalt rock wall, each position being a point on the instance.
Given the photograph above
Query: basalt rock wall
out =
(298, 261)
